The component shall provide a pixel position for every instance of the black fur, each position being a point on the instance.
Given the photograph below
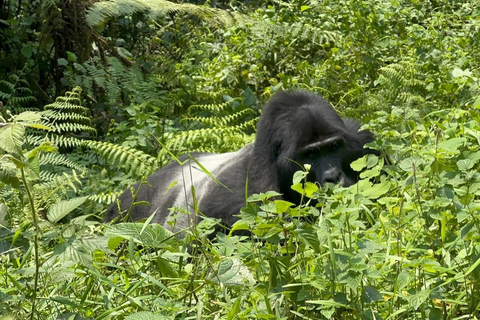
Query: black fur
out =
(296, 127)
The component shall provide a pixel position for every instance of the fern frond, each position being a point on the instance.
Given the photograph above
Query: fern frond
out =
(16, 94)
(399, 82)
(248, 125)
(192, 140)
(52, 186)
(102, 10)
(213, 108)
(62, 116)
(131, 159)
(222, 121)
(58, 140)
(67, 115)
(57, 159)
(105, 198)
(71, 127)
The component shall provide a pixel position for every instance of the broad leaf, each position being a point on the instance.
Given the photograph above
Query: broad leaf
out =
(60, 209)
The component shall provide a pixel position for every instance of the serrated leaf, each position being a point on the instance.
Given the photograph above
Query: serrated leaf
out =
(152, 235)
(12, 138)
(231, 272)
(28, 116)
(309, 235)
(282, 206)
(367, 161)
(370, 190)
(419, 298)
(60, 209)
(465, 164)
(457, 72)
(370, 294)
(410, 164)
(27, 51)
(452, 144)
(79, 249)
(403, 279)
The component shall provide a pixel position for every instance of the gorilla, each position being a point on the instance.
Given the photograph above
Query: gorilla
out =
(296, 128)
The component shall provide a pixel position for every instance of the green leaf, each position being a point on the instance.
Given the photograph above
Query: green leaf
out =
(27, 51)
(282, 206)
(309, 236)
(232, 314)
(310, 188)
(403, 279)
(28, 116)
(60, 209)
(62, 62)
(410, 164)
(452, 144)
(299, 176)
(370, 190)
(71, 56)
(419, 298)
(166, 268)
(249, 98)
(153, 235)
(231, 272)
(370, 294)
(465, 164)
(476, 104)
(79, 249)
(367, 161)
(457, 72)
(12, 138)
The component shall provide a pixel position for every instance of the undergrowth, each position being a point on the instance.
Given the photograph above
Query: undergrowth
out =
(401, 243)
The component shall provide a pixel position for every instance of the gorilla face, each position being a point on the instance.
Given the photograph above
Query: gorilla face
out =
(330, 162)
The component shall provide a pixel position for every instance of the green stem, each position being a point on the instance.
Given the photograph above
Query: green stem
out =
(35, 242)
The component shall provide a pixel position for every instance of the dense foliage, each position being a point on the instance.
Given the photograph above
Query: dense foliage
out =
(96, 95)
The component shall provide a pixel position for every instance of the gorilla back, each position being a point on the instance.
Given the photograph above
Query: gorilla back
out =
(296, 127)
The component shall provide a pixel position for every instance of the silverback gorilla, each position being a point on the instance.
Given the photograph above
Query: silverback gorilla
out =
(296, 128)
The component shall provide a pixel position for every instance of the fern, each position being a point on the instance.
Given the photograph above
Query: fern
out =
(399, 83)
(215, 121)
(105, 197)
(131, 159)
(57, 160)
(54, 188)
(224, 129)
(67, 115)
(58, 140)
(213, 108)
(111, 78)
(102, 10)
(16, 94)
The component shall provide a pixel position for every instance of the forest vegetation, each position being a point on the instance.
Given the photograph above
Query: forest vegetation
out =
(97, 95)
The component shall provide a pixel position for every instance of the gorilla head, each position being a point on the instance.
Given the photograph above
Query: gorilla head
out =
(296, 128)
(300, 127)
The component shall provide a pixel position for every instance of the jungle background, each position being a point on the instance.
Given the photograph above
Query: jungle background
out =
(96, 95)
